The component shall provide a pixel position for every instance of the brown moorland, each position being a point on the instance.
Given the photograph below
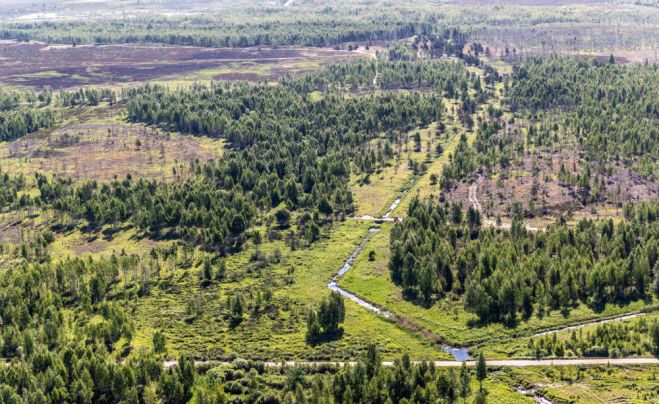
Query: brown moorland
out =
(66, 66)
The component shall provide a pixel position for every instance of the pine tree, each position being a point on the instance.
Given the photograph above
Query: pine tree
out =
(465, 382)
(313, 327)
(481, 369)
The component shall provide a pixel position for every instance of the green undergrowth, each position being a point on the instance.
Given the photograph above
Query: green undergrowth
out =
(298, 281)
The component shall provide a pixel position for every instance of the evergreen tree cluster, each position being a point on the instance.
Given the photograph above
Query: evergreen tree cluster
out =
(284, 148)
(215, 31)
(9, 188)
(86, 96)
(324, 322)
(607, 340)
(450, 42)
(506, 275)
(11, 99)
(55, 357)
(449, 79)
(24, 112)
(367, 381)
(195, 210)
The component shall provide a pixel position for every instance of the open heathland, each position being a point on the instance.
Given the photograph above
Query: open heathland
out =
(66, 66)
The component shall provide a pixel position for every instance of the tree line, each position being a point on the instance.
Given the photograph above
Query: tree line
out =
(449, 79)
(606, 340)
(323, 29)
(368, 381)
(23, 112)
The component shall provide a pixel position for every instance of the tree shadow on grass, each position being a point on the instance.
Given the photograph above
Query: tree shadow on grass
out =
(413, 297)
(326, 337)
(109, 233)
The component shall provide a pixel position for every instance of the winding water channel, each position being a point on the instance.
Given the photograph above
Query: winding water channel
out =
(459, 354)
(332, 284)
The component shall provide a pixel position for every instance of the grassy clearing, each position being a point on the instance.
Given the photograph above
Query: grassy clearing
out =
(76, 243)
(279, 333)
(447, 318)
(256, 69)
(373, 197)
(99, 145)
(238, 68)
(596, 384)
(423, 187)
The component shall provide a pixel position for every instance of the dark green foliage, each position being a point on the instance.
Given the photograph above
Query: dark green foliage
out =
(465, 382)
(212, 31)
(86, 96)
(607, 340)
(503, 274)
(461, 164)
(159, 342)
(445, 78)
(22, 113)
(285, 148)
(367, 381)
(283, 217)
(654, 335)
(59, 328)
(9, 188)
(481, 369)
(192, 210)
(323, 324)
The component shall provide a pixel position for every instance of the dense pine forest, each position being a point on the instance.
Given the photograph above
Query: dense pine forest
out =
(218, 33)
(512, 276)
(446, 79)
(306, 169)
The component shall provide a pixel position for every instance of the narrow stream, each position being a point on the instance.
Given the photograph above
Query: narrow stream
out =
(596, 322)
(533, 394)
(396, 202)
(393, 206)
(460, 354)
(332, 284)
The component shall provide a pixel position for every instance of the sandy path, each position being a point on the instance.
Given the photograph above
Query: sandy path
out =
(494, 363)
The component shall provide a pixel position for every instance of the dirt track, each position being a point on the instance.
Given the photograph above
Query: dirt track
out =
(496, 363)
